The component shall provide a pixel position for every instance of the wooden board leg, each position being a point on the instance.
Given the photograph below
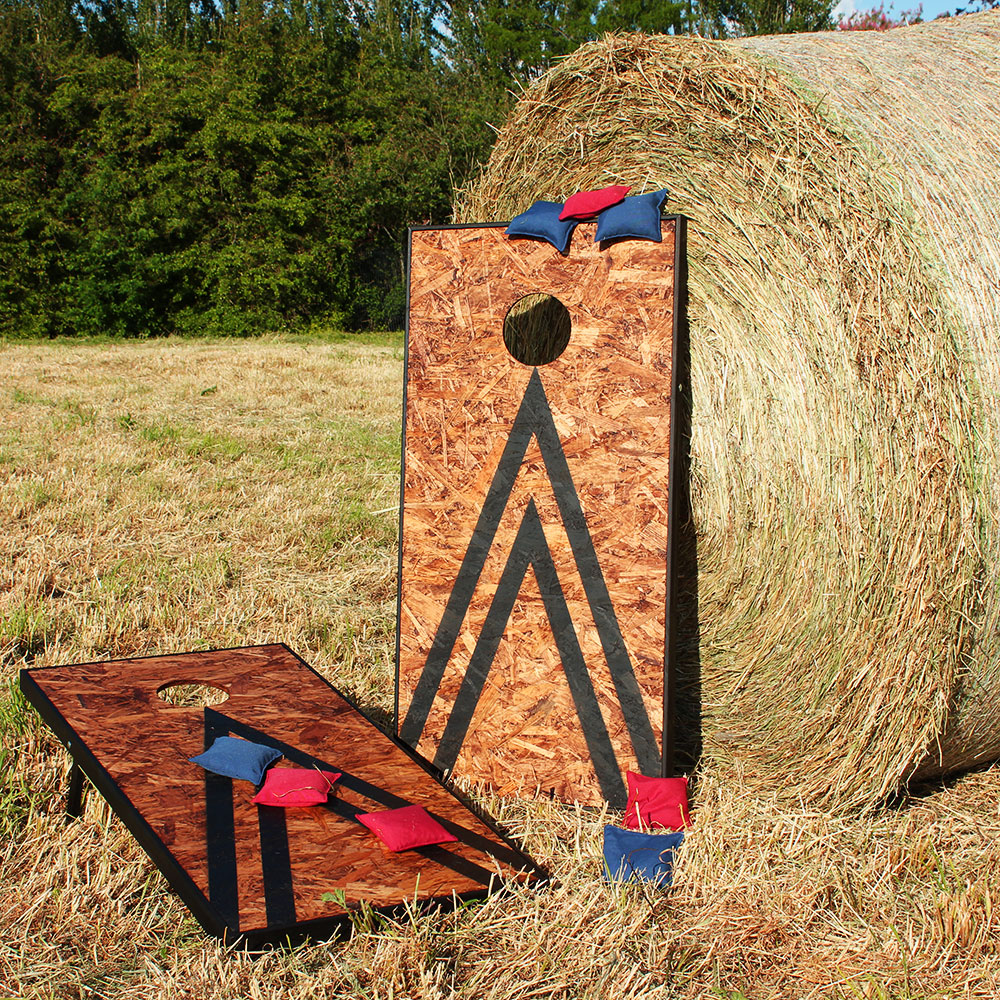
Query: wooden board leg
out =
(74, 797)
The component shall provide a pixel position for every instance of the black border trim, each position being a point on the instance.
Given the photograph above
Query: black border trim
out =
(458, 225)
(674, 485)
(402, 491)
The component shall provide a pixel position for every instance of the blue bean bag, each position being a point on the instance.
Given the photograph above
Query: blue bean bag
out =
(631, 856)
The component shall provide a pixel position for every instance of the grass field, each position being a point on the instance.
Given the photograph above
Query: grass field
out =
(163, 496)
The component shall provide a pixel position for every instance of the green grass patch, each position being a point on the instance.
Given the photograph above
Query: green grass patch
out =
(75, 414)
(213, 446)
(16, 719)
(161, 433)
(21, 397)
(208, 445)
(33, 494)
(24, 631)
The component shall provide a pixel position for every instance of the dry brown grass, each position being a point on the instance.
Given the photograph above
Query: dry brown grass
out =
(844, 448)
(248, 514)
(172, 497)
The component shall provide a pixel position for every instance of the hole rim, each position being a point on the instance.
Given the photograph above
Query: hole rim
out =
(191, 700)
(529, 352)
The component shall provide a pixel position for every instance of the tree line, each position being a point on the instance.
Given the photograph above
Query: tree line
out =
(240, 166)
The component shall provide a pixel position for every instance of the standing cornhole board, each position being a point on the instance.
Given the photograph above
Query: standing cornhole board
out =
(555, 681)
(261, 873)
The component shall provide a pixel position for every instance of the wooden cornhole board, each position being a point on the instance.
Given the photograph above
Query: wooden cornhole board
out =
(554, 681)
(259, 873)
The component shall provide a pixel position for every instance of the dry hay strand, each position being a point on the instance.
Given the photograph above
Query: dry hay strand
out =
(928, 98)
(843, 283)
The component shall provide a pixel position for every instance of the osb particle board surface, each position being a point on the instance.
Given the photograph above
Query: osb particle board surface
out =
(589, 472)
(261, 868)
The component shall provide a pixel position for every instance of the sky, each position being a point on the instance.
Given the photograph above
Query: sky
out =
(931, 8)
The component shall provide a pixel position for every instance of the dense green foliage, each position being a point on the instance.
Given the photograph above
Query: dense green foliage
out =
(178, 166)
(227, 174)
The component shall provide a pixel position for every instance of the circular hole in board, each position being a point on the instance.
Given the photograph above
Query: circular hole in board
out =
(191, 694)
(536, 329)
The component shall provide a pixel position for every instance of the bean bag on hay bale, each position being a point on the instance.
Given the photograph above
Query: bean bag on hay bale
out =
(842, 628)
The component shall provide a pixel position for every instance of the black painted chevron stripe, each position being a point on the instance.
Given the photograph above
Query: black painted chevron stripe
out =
(534, 419)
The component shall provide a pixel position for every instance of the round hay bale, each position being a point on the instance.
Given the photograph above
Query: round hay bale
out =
(844, 253)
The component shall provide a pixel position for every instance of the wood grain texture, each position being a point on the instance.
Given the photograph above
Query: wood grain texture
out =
(144, 745)
(609, 396)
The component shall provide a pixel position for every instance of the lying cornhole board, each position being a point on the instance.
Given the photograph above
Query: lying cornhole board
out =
(555, 681)
(261, 873)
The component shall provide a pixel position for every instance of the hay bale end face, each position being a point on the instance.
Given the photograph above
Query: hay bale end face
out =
(844, 250)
